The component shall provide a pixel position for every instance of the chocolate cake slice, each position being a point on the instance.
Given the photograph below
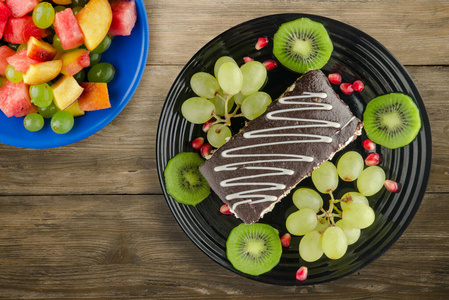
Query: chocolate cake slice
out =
(303, 128)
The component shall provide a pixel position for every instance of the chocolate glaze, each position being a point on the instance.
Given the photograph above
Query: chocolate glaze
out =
(312, 82)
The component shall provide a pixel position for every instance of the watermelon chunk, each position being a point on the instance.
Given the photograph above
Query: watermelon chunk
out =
(20, 8)
(124, 16)
(5, 13)
(5, 52)
(68, 30)
(15, 100)
(20, 61)
(19, 30)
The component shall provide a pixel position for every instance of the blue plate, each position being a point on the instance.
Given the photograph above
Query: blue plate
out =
(128, 54)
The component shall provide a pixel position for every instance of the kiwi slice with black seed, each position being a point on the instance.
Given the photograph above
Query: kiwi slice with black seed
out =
(184, 181)
(254, 249)
(302, 45)
(392, 120)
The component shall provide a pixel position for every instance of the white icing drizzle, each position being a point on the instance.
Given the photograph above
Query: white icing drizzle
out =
(248, 195)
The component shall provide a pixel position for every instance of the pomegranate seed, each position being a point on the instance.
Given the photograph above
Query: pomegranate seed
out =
(224, 209)
(285, 240)
(346, 88)
(270, 64)
(392, 186)
(261, 42)
(369, 145)
(247, 59)
(373, 159)
(334, 78)
(207, 126)
(198, 143)
(301, 274)
(358, 85)
(205, 150)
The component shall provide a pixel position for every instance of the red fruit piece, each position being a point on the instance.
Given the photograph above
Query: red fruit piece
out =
(346, 88)
(20, 8)
(198, 143)
(224, 209)
(20, 61)
(358, 85)
(334, 78)
(301, 274)
(19, 30)
(124, 16)
(67, 29)
(247, 59)
(285, 240)
(270, 64)
(392, 186)
(373, 159)
(261, 42)
(5, 52)
(369, 145)
(205, 150)
(207, 125)
(5, 13)
(15, 99)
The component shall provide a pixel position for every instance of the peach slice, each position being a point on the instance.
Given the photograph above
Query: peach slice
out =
(42, 72)
(65, 91)
(75, 109)
(40, 50)
(94, 19)
(74, 61)
(94, 97)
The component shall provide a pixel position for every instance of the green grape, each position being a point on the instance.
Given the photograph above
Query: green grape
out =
(305, 197)
(358, 215)
(57, 43)
(218, 138)
(325, 177)
(255, 105)
(104, 45)
(254, 77)
(62, 122)
(301, 222)
(197, 110)
(221, 61)
(334, 242)
(33, 122)
(94, 58)
(321, 225)
(101, 72)
(230, 78)
(80, 76)
(59, 8)
(350, 165)
(21, 47)
(13, 75)
(238, 98)
(76, 3)
(13, 46)
(371, 180)
(219, 104)
(43, 15)
(41, 95)
(352, 234)
(76, 9)
(49, 111)
(3, 80)
(310, 246)
(352, 197)
(204, 85)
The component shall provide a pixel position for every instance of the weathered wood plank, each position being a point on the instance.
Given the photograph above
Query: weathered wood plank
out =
(414, 31)
(105, 246)
(120, 159)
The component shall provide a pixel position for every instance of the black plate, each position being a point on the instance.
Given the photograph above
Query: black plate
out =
(356, 55)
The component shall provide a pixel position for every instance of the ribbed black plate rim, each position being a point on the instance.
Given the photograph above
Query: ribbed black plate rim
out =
(208, 229)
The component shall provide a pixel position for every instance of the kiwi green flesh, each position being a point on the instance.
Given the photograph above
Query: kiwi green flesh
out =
(254, 249)
(183, 180)
(302, 45)
(392, 120)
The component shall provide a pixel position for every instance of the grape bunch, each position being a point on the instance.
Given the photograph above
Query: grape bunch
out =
(231, 92)
(331, 230)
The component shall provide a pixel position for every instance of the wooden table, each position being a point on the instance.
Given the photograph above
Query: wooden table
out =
(88, 219)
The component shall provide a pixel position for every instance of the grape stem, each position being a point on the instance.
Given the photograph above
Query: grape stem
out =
(226, 121)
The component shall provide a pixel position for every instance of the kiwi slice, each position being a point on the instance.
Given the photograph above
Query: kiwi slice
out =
(184, 181)
(392, 120)
(302, 45)
(254, 249)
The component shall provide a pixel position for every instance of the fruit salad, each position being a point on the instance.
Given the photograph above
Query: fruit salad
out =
(50, 60)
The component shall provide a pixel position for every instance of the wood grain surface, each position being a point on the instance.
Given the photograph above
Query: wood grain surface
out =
(88, 220)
